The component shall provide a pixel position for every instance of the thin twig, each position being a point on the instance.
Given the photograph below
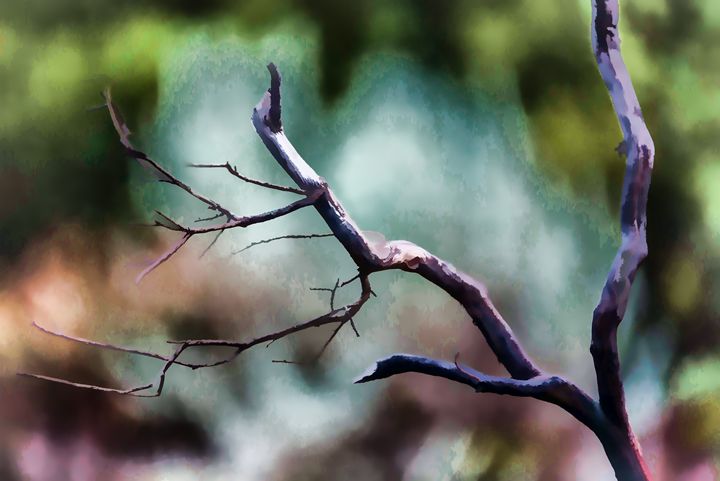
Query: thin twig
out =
(163, 258)
(233, 170)
(168, 223)
(215, 239)
(289, 236)
(212, 217)
(92, 387)
(339, 316)
(114, 347)
(160, 173)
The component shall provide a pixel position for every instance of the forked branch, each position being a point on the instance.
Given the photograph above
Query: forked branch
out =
(372, 253)
(164, 175)
(339, 316)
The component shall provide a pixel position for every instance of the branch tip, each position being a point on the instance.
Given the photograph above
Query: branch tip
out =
(273, 119)
(370, 374)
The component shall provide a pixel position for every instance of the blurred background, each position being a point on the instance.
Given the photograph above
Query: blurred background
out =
(480, 130)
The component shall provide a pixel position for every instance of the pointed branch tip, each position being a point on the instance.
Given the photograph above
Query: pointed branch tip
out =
(273, 119)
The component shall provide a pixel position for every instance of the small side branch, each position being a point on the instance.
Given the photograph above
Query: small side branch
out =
(158, 171)
(233, 170)
(188, 232)
(92, 387)
(163, 175)
(338, 316)
(289, 236)
(163, 258)
(114, 347)
(404, 363)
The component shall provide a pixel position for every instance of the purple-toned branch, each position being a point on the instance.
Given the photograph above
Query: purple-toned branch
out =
(163, 258)
(233, 170)
(246, 221)
(552, 389)
(640, 151)
(158, 171)
(163, 175)
(339, 316)
(289, 236)
(372, 253)
(92, 387)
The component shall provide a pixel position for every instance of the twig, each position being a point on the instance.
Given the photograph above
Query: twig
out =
(168, 223)
(215, 239)
(114, 347)
(339, 316)
(92, 387)
(163, 258)
(233, 170)
(290, 236)
(157, 170)
(212, 217)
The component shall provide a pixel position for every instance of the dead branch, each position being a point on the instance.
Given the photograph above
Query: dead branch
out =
(168, 223)
(289, 236)
(234, 172)
(338, 316)
(372, 253)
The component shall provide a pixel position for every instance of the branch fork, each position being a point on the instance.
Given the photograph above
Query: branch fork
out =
(606, 417)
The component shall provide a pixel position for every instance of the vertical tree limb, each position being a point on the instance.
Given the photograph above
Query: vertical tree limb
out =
(640, 151)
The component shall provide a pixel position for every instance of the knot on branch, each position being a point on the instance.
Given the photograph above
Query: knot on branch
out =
(273, 119)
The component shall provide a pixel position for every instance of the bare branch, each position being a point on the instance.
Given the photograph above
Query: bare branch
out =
(234, 171)
(403, 363)
(156, 169)
(339, 316)
(212, 243)
(290, 236)
(338, 285)
(91, 387)
(99, 344)
(354, 328)
(114, 347)
(249, 220)
(639, 148)
(552, 389)
(205, 219)
(246, 221)
(163, 258)
(372, 255)
(335, 331)
(320, 352)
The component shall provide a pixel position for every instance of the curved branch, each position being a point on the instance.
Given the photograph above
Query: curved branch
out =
(287, 236)
(372, 253)
(233, 171)
(552, 389)
(639, 147)
(163, 258)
